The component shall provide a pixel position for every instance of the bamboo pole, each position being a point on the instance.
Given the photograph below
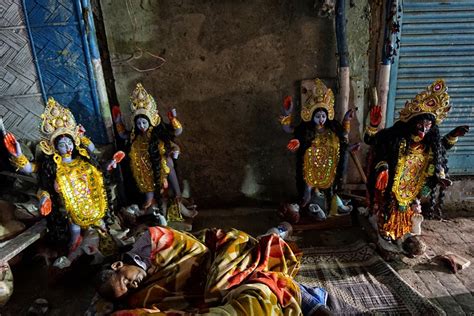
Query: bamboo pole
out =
(383, 88)
(359, 167)
(343, 71)
(342, 50)
(388, 51)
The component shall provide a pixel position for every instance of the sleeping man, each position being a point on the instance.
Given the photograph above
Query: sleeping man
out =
(215, 273)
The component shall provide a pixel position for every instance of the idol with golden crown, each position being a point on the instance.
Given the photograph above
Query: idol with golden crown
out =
(321, 144)
(72, 190)
(409, 165)
(153, 152)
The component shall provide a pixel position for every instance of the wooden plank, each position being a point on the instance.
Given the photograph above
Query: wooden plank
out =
(32, 179)
(12, 247)
(340, 221)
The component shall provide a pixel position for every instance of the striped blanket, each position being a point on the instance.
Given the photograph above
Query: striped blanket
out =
(216, 272)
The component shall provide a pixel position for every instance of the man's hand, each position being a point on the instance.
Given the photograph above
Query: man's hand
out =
(376, 115)
(459, 131)
(12, 145)
(382, 180)
(293, 145)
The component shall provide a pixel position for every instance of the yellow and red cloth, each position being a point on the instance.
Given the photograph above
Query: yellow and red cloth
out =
(217, 273)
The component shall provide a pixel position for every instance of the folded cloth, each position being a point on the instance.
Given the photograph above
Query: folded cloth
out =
(312, 299)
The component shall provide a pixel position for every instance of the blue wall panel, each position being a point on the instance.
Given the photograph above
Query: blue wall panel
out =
(437, 41)
(63, 60)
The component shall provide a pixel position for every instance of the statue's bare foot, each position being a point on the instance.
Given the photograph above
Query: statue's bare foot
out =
(149, 203)
(62, 262)
(75, 243)
(305, 201)
(190, 213)
(316, 212)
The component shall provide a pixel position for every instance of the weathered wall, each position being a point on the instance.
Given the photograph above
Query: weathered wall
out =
(358, 37)
(460, 195)
(228, 66)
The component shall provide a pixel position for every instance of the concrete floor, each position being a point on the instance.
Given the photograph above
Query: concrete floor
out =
(454, 293)
(70, 294)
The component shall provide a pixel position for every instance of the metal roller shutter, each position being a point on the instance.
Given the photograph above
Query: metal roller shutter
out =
(437, 41)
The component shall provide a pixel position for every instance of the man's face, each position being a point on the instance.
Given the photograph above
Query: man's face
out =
(126, 277)
(423, 127)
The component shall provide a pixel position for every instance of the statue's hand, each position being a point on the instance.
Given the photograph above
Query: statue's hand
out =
(382, 180)
(165, 183)
(116, 114)
(288, 105)
(293, 145)
(172, 114)
(459, 131)
(111, 165)
(175, 154)
(350, 114)
(118, 156)
(12, 145)
(45, 205)
(376, 115)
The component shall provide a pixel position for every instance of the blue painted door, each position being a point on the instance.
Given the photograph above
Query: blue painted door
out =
(62, 56)
(437, 41)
